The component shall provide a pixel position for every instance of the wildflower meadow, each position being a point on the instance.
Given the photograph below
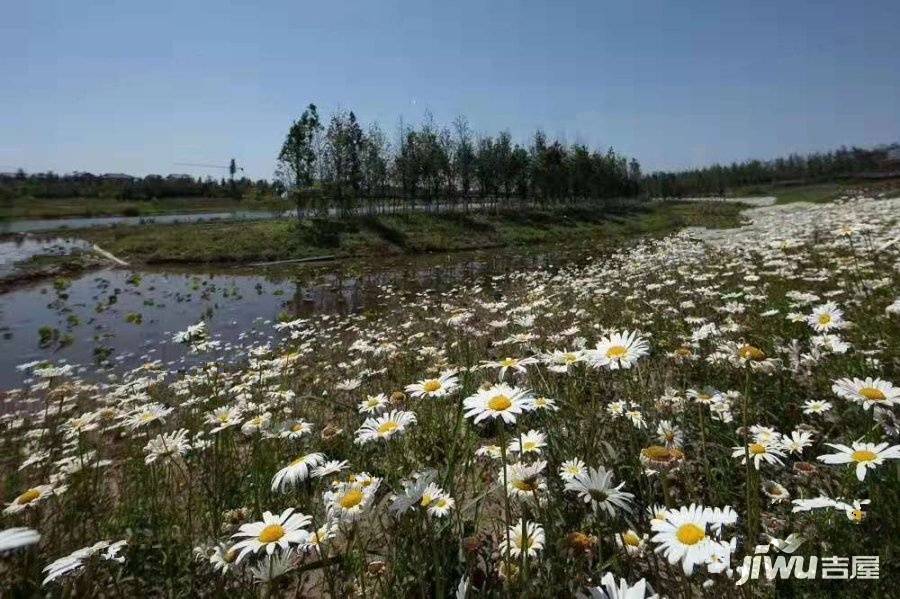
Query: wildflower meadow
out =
(643, 422)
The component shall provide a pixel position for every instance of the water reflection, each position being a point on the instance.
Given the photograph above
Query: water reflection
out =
(121, 318)
(23, 247)
(36, 225)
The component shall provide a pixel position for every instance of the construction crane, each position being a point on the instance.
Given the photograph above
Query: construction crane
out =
(232, 168)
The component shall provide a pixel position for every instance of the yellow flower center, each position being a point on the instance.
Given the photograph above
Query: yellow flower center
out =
(271, 533)
(529, 446)
(683, 352)
(570, 358)
(615, 352)
(863, 455)
(661, 457)
(525, 485)
(388, 427)
(507, 362)
(631, 538)
(872, 394)
(749, 352)
(857, 515)
(656, 452)
(223, 418)
(824, 319)
(297, 428)
(299, 460)
(351, 499)
(690, 534)
(28, 496)
(498, 403)
(757, 448)
(431, 385)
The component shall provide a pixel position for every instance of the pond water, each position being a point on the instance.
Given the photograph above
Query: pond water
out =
(53, 224)
(118, 319)
(24, 247)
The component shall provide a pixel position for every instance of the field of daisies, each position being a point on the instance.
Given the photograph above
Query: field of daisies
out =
(630, 426)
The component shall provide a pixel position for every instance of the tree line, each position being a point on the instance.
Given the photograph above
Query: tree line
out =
(20, 185)
(719, 179)
(343, 168)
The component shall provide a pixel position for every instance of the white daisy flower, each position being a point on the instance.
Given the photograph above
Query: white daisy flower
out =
(295, 430)
(150, 413)
(816, 406)
(527, 537)
(669, 434)
(797, 441)
(869, 392)
(544, 403)
(826, 317)
(273, 532)
(563, 361)
(571, 469)
(224, 417)
(444, 384)
(373, 404)
(273, 566)
(385, 426)
(75, 561)
(347, 501)
(524, 480)
(167, 446)
(499, 401)
(619, 350)
(683, 537)
(531, 442)
(30, 498)
(758, 453)
(17, 537)
(319, 537)
(489, 451)
(508, 363)
(297, 471)
(866, 456)
(329, 467)
(609, 589)
(596, 488)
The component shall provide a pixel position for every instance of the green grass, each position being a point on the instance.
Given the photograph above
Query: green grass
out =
(222, 242)
(818, 193)
(815, 194)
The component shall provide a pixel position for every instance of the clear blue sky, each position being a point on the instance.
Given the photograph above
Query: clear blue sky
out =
(138, 86)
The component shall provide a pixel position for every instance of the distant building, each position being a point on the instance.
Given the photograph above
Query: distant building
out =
(117, 177)
(893, 154)
(179, 177)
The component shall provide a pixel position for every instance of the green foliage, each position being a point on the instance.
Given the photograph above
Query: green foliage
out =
(751, 176)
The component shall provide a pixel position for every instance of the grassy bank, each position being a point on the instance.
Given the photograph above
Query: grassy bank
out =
(397, 234)
(818, 193)
(39, 208)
